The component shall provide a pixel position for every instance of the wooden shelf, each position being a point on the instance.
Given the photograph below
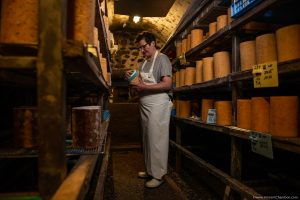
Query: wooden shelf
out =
(288, 144)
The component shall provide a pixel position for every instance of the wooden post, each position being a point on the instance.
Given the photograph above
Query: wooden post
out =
(236, 147)
(51, 97)
(178, 153)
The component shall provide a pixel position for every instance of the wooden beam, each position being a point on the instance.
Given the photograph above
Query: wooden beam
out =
(17, 62)
(76, 185)
(51, 98)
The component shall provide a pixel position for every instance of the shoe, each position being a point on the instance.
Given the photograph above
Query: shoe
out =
(153, 183)
(143, 175)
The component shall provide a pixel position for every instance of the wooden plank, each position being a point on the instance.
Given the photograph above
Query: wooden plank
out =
(178, 153)
(76, 185)
(236, 158)
(51, 98)
(99, 193)
(16, 62)
(234, 184)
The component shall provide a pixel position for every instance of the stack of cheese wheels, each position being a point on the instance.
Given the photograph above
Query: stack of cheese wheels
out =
(288, 42)
(19, 21)
(247, 54)
(189, 78)
(221, 22)
(178, 49)
(284, 117)
(223, 112)
(265, 48)
(208, 68)
(84, 20)
(177, 74)
(196, 37)
(184, 46)
(244, 113)
(221, 64)
(260, 110)
(185, 108)
(181, 77)
(212, 28)
(206, 104)
(199, 71)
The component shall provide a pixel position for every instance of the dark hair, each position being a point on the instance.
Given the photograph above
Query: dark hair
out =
(147, 36)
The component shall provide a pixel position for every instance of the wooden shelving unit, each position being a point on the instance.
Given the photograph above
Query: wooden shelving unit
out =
(56, 69)
(238, 84)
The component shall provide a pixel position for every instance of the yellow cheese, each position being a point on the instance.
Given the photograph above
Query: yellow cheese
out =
(199, 71)
(221, 64)
(181, 77)
(221, 22)
(184, 46)
(196, 37)
(247, 55)
(206, 104)
(244, 113)
(212, 28)
(208, 72)
(224, 112)
(260, 114)
(177, 74)
(189, 78)
(266, 48)
(185, 108)
(288, 42)
(84, 20)
(19, 21)
(178, 48)
(284, 117)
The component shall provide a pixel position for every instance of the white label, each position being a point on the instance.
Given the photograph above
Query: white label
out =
(211, 116)
(261, 143)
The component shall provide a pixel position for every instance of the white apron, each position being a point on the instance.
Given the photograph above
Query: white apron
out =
(155, 112)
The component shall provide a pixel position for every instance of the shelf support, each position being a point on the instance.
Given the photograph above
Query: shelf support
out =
(178, 153)
(51, 97)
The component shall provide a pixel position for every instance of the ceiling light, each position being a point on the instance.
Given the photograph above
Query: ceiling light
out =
(136, 19)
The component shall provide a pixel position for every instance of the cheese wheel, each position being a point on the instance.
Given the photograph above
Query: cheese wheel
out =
(212, 28)
(223, 112)
(19, 21)
(247, 55)
(181, 77)
(196, 37)
(177, 74)
(178, 48)
(284, 117)
(288, 42)
(183, 46)
(188, 42)
(260, 114)
(185, 108)
(199, 71)
(221, 22)
(189, 78)
(206, 104)
(244, 113)
(221, 64)
(84, 20)
(265, 48)
(208, 71)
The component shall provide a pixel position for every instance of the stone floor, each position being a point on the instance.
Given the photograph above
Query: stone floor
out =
(123, 184)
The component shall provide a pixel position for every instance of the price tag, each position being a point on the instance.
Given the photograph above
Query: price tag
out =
(211, 116)
(261, 143)
(265, 75)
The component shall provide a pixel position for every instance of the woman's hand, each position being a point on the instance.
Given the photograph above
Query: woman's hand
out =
(128, 73)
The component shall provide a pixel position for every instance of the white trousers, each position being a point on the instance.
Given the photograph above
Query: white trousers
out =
(155, 113)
